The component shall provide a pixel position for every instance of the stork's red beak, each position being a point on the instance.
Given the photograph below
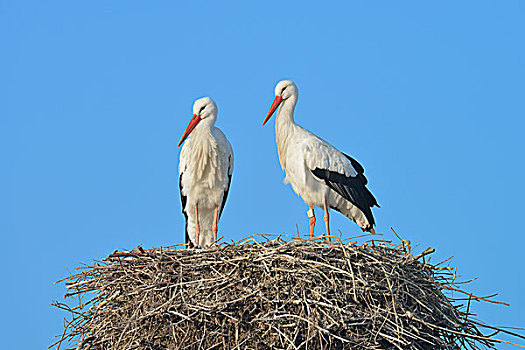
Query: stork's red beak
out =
(193, 123)
(275, 104)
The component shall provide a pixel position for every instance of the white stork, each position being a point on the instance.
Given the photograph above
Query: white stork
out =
(205, 169)
(317, 171)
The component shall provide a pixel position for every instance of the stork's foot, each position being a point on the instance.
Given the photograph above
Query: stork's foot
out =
(372, 231)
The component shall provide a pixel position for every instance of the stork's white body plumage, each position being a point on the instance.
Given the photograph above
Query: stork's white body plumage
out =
(317, 171)
(205, 169)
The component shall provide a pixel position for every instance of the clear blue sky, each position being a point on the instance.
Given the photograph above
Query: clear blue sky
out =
(94, 96)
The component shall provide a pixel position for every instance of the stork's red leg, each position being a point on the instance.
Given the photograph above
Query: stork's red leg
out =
(311, 215)
(327, 218)
(197, 227)
(215, 217)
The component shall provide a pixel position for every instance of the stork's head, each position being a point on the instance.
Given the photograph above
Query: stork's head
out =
(204, 110)
(284, 90)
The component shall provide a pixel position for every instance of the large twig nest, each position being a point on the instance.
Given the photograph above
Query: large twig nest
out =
(273, 295)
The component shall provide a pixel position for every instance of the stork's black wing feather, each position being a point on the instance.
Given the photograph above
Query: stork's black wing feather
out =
(351, 188)
(225, 196)
(183, 200)
(357, 167)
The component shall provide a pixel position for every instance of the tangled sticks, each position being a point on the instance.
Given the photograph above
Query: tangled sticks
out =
(301, 294)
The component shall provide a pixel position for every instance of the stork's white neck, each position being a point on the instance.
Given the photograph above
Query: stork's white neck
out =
(205, 125)
(202, 139)
(285, 112)
(202, 152)
(284, 127)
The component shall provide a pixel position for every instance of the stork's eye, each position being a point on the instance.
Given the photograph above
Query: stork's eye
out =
(283, 89)
(202, 108)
